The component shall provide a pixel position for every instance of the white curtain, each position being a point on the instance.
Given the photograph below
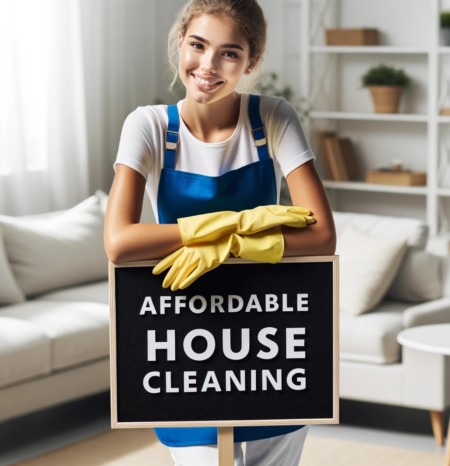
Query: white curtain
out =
(122, 69)
(43, 141)
(71, 71)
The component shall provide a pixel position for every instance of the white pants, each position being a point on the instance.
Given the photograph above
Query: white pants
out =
(284, 450)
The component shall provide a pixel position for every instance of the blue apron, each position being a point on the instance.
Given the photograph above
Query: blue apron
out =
(183, 194)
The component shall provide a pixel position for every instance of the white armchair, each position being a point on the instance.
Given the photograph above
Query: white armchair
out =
(431, 312)
(371, 361)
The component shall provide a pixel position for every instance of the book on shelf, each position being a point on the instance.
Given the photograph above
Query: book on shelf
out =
(336, 159)
(320, 138)
(338, 156)
(350, 159)
(400, 178)
(352, 37)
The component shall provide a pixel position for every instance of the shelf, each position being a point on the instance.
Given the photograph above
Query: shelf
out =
(443, 119)
(383, 188)
(444, 192)
(370, 49)
(371, 116)
(444, 50)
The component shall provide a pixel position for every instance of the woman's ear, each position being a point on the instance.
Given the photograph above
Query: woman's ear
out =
(252, 63)
(256, 60)
(180, 40)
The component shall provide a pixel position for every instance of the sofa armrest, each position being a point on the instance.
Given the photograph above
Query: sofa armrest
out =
(431, 312)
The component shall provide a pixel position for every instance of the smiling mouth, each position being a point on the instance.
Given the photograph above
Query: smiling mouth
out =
(204, 85)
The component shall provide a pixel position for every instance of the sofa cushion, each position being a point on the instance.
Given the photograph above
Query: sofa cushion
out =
(419, 277)
(62, 250)
(78, 331)
(372, 337)
(9, 289)
(445, 274)
(367, 267)
(103, 200)
(416, 231)
(96, 292)
(24, 350)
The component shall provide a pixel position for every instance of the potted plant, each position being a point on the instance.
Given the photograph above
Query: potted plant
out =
(445, 27)
(268, 86)
(385, 84)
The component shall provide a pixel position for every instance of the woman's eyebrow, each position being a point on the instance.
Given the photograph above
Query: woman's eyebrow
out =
(224, 46)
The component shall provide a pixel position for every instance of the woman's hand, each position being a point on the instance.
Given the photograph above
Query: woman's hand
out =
(190, 262)
(212, 226)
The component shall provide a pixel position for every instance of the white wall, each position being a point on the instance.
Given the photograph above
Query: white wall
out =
(118, 48)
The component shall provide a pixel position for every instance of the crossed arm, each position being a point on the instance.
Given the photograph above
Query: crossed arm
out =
(126, 239)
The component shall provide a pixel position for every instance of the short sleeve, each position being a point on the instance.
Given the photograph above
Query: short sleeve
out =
(135, 146)
(289, 140)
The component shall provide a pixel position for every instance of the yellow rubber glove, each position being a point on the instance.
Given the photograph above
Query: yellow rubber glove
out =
(210, 227)
(190, 262)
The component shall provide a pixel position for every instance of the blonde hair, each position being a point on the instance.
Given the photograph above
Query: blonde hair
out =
(247, 15)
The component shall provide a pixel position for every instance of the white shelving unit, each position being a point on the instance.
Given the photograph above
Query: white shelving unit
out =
(367, 49)
(431, 119)
(370, 116)
(381, 188)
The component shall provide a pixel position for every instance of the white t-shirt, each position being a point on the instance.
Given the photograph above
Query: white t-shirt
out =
(142, 143)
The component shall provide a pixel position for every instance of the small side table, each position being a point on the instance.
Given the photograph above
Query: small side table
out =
(430, 345)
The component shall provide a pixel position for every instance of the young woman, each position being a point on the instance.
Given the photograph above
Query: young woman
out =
(216, 157)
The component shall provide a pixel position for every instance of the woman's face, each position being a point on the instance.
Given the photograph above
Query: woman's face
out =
(218, 51)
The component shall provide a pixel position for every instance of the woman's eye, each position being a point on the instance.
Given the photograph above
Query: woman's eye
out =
(235, 55)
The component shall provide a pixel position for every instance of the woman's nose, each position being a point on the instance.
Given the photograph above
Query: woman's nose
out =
(208, 65)
(208, 71)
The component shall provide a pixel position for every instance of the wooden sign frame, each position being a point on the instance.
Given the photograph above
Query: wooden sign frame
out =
(115, 424)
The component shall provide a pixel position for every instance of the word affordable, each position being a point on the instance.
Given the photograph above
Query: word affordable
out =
(198, 304)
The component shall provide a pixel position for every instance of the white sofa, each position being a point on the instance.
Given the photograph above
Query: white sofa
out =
(371, 366)
(54, 339)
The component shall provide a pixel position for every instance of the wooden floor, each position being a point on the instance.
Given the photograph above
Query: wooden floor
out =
(140, 447)
(81, 432)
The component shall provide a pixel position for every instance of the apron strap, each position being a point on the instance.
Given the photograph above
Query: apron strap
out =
(258, 129)
(172, 137)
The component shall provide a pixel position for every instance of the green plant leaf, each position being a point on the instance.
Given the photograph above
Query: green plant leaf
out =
(383, 75)
(445, 19)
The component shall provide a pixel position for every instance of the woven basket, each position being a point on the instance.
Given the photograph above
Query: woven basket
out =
(386, 99)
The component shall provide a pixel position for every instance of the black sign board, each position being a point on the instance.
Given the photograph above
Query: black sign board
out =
(248, 343)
